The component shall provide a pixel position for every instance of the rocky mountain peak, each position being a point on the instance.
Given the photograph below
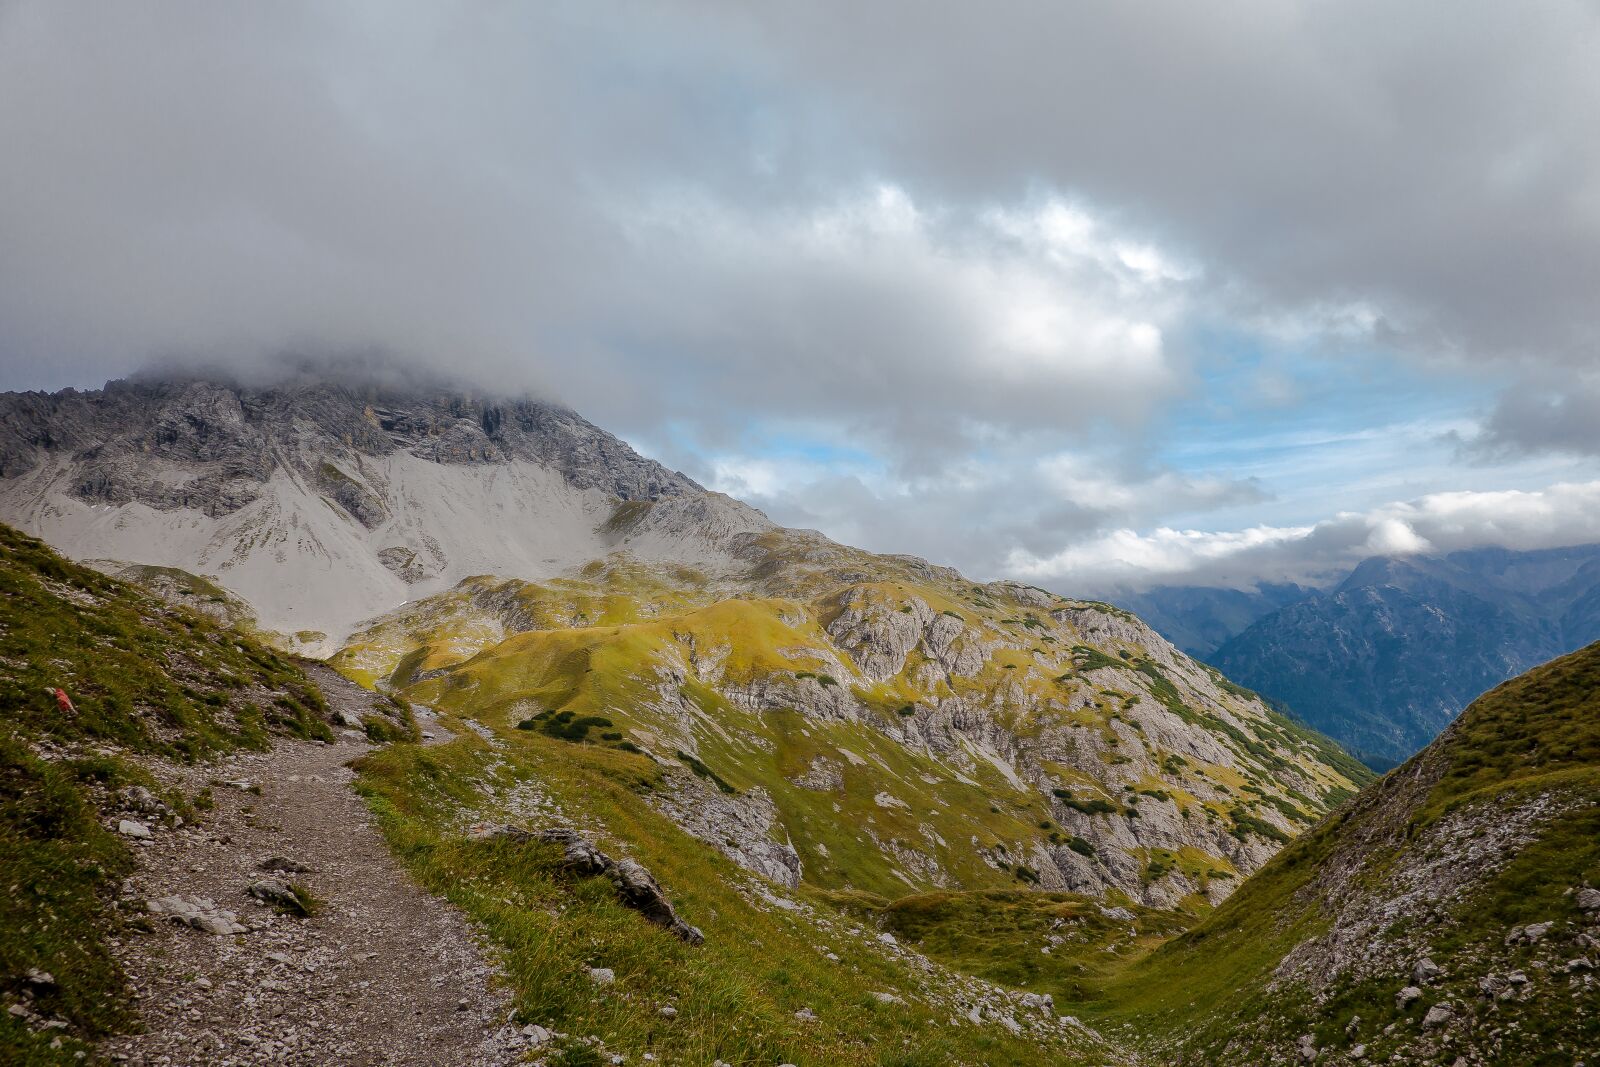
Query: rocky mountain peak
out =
(324, 498)
(211, 444)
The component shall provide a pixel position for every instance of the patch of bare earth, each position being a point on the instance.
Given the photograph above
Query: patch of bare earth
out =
(381, 972)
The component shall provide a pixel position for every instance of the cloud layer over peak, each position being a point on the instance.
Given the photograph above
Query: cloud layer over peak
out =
(1067, 290)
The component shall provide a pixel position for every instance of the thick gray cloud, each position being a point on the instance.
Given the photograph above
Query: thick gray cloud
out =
(954, 237)
(465, 182)
(1436, 161)
(627, 210)
(1545, 414)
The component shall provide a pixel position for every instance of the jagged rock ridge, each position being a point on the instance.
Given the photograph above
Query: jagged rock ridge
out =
(323, 504)
(229, 438)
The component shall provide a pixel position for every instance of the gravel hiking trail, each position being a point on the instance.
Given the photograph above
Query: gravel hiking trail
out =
(381, 972)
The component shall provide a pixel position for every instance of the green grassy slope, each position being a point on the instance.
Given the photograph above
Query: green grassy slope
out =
(145, 679)
(1064, 944)
(919, 795)
(766, 956)
(1494, 826)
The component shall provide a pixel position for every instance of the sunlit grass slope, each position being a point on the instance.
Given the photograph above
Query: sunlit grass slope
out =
(913, 731)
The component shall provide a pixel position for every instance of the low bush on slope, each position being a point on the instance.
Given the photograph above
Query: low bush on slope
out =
(143, 678)
(1411, 922)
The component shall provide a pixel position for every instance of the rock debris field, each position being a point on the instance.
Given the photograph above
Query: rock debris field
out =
(379, 972)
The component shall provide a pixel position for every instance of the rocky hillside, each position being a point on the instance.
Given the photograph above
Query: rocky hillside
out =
(874, 723)
(1450, 914)
(193, 874)
(322, 504)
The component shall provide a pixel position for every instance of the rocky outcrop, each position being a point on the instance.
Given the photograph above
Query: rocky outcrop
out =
(202, 913)
(639, 890)
(742, 826)
(877, 632)
(636, 887)
(1455, 855)
(824, 775)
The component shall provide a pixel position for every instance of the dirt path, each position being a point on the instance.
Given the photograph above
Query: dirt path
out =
(381, 973)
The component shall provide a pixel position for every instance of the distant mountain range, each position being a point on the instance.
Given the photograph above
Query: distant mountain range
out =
(1384, 660)
(1200, 619)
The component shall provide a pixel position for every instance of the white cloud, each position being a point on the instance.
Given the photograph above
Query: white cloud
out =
(765, 478)
(1010, 317)
(746, 477)
(1317, 321)
(978, 513)
(1089, 483)
(1072, 234)
(1562, 514)
(1125, 557)
(1395, 537)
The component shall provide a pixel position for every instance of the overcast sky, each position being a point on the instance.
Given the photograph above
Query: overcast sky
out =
(1089, 295)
